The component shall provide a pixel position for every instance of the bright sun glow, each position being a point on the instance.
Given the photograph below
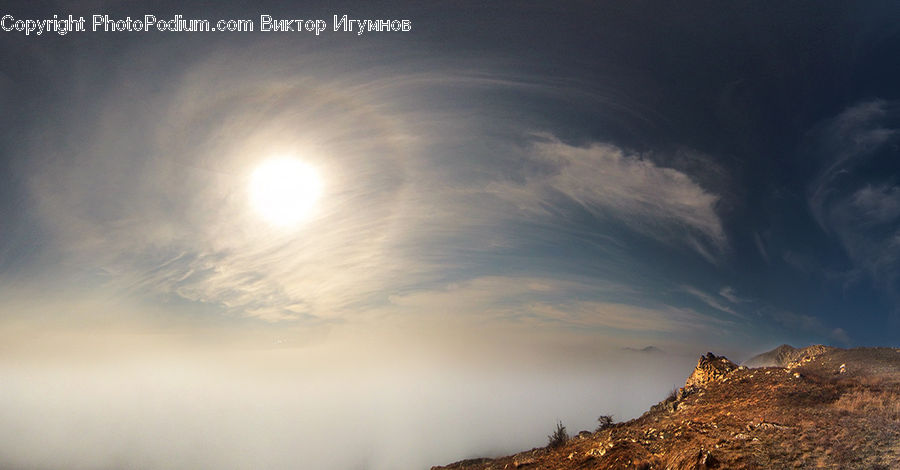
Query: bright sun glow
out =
(284, 190)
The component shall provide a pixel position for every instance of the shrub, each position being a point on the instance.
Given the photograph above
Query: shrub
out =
(605, 422)
(559, 437)
(673, 394)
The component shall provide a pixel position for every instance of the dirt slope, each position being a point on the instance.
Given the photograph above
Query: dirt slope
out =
(828, 408)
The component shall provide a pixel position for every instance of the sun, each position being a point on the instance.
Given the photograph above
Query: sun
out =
(284, 190)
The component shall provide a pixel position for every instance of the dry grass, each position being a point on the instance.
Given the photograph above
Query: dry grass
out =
(884, 403)
(871, 381)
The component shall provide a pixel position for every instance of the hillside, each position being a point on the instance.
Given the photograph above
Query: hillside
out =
(782, 356)
(826, 408)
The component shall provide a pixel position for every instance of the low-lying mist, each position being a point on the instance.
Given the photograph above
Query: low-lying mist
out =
(84, 400)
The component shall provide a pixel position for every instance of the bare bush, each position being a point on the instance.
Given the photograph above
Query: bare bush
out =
(605, 422)
(559, 437)
(673, 394)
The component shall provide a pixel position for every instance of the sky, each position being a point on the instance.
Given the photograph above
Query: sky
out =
(513, 198)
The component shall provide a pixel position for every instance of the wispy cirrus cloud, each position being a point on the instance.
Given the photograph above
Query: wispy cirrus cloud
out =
(153, 198)
(761, 247)
(710, 300)
(861, 207)
(658, 202)
(844, 142)
(554, 303)
(730, 293)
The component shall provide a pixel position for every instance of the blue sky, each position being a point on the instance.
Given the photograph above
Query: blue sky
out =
(520, 176)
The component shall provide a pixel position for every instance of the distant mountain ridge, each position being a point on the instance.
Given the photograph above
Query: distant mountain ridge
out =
(646, 350)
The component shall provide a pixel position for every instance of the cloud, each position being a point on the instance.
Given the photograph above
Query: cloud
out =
(841, 336)
(867, 223)
(154, 196)
(855, 196)
(876, 205)
(610, 183)
(152, 201)
(761, 247)
(844, 142)
(143, 402)
(623, 317)
(710, 300)
(729, 293)
(150, 196)
(550, 303)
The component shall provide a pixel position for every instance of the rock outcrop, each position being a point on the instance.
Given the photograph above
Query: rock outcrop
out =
(807, 354)
(710, 368)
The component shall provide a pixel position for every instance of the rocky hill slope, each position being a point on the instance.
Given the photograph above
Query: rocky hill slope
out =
(783, 355)
(822, 408)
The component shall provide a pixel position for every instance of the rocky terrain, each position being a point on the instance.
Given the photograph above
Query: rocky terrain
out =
(816, 407)
(782, 356)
